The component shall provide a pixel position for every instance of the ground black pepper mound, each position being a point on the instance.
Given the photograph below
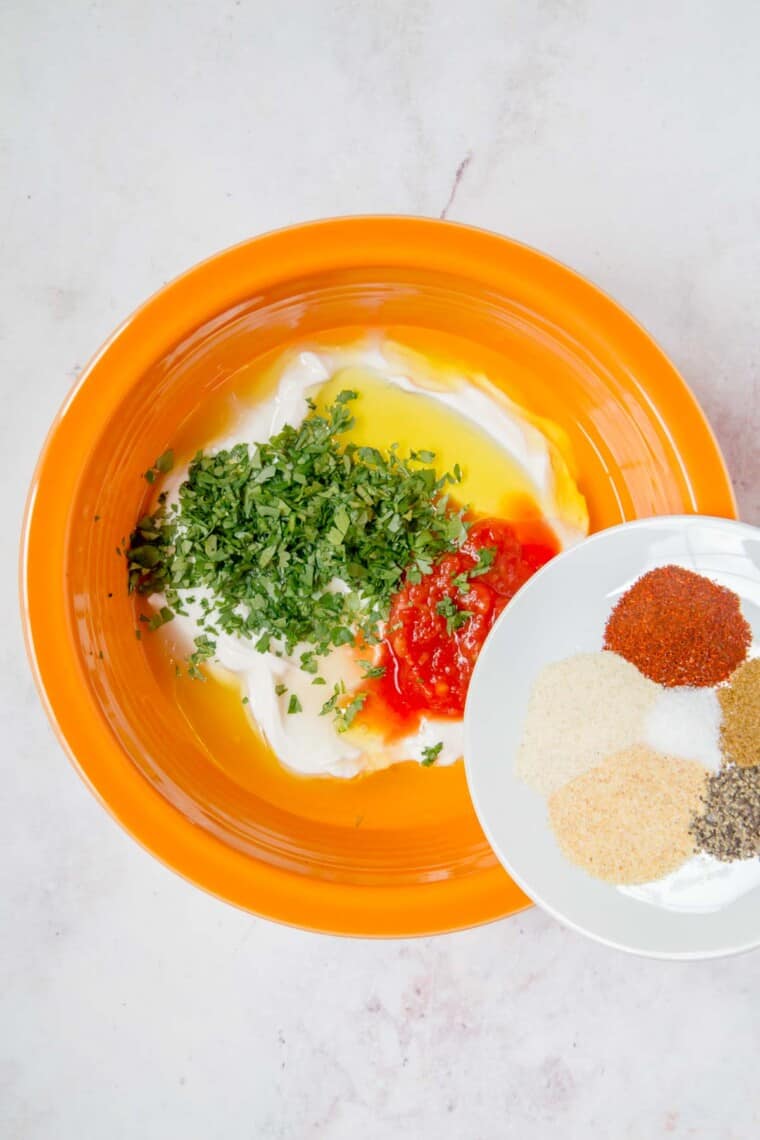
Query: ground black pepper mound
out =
(729, 828)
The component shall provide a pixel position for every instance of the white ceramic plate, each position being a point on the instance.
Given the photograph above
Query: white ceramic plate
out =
(559, 612)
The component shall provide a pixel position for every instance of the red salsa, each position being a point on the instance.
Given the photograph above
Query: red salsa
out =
(437, 626)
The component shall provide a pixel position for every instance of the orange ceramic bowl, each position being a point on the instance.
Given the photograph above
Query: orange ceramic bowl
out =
(394, 853)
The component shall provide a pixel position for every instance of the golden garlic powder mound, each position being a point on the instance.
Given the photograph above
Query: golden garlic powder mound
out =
(627, 820)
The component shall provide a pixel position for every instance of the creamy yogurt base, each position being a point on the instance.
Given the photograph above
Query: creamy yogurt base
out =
(307, 742)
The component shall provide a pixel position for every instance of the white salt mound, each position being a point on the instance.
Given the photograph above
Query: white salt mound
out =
(581, 710)
(685, 722)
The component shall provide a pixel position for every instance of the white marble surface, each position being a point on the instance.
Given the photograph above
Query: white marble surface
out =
(137, 138)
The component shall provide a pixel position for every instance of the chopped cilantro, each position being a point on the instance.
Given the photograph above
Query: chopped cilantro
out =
(165, 462)
(486, 555)
(162, 466)
(455, 618)
(159, 618)
(268, 529)
(280, 689)
(346, 716)
(294, 705)
(371, 670)
(338, 689)
(431, 754)
(204, 648)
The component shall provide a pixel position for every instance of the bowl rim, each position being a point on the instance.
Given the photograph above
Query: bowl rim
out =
(200, 292)
(655, 522)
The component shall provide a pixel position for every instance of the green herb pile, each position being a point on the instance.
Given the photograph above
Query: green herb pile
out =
(265, 531)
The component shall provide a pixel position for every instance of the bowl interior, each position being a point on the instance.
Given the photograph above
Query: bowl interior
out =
(628, 467)
(306, 851)
(562, 611)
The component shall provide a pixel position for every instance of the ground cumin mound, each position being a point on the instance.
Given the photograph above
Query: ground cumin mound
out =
(740, 702)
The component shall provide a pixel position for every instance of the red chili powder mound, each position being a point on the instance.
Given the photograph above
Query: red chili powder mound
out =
(679, 628)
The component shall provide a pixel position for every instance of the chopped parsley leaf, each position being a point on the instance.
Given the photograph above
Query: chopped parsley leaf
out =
(431, 754)
(486, 555)
(338, 689)
(485, 558)
(346, 716)
(266, 530)
(455, 618)
(162, 466)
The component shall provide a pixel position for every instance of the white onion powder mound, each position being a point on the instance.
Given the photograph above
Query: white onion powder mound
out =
(581, 710)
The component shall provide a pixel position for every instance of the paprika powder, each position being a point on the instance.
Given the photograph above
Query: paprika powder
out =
(679, 628)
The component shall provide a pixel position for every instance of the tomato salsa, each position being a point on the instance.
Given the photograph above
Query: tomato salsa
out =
(437, 626)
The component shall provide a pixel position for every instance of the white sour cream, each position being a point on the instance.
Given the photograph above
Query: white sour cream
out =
(307, 742)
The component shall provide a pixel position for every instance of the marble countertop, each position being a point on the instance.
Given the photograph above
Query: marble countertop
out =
(138, 138)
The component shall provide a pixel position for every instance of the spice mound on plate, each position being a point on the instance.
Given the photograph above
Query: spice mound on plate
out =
(729, 827)
(740, 702)
(686, 722)
(679, 628)
(628, 820)
(581, 710)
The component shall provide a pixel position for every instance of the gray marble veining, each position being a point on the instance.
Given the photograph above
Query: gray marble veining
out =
(138, 138)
